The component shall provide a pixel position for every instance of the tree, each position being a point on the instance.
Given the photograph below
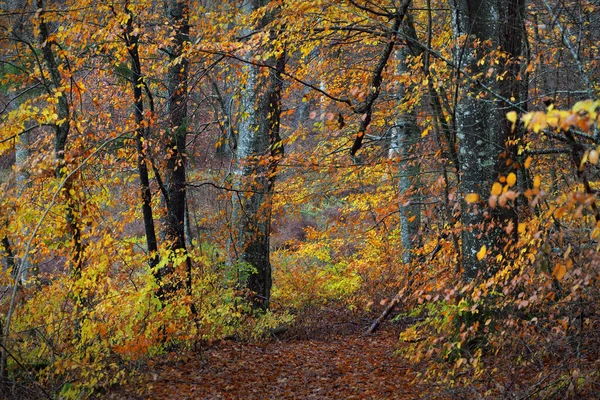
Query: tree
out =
(54, 87)
(131, 39)
(481, 128)
(259, 149)
(405, 136)
(175, 149)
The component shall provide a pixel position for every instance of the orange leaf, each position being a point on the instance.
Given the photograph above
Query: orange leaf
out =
(559, 271)
(559, 212)
(472, 198)
(496, 189)
(511, 179)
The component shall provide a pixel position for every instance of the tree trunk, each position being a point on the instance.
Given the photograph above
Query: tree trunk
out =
(405, 137)
(61, 133)
(175, 176)
(22, 181)
(137, 82)
(258, 149)
(481, 125)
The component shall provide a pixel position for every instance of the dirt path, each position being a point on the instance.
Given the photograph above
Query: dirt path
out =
(340, 367)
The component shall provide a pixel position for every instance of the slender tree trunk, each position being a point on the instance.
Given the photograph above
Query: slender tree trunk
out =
(227, 143)
(137, 82)
(21, 163)
(405, 137)
(61, 133)
(258, 149)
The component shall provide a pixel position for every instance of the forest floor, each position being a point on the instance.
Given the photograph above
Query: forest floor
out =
(338, 364)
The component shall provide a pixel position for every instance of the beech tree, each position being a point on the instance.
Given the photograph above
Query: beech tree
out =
(175, 149)
(481, 126)
(131, 41)
(405, 137)
(259, 149)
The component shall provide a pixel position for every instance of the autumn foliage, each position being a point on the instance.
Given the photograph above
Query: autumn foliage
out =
(177, 176)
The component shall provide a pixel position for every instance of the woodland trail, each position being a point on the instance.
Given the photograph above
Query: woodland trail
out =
(337, 367)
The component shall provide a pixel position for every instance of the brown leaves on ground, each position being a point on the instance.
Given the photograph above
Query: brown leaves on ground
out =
(340, 367)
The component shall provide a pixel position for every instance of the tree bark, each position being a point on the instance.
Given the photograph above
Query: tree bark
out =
(175, 176)
(61, 133)
(405, 137)
(137, 83)
(259, 148)
(481, 125)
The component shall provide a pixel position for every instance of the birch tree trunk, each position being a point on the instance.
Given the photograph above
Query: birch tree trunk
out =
(258, 149)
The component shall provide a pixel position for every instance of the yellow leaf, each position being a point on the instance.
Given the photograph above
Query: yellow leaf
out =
(512, 117)
(583, 160)
(472, 198)
(511, 179)
(537, 181)
(496, 189)
(425, 132)
(593, 157)
(481, 253)
(522, 227)
(586, 107)
(528, 162)
(527, 118)
(559, 271)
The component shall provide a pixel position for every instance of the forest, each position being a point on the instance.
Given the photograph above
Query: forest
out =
(317, 199)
